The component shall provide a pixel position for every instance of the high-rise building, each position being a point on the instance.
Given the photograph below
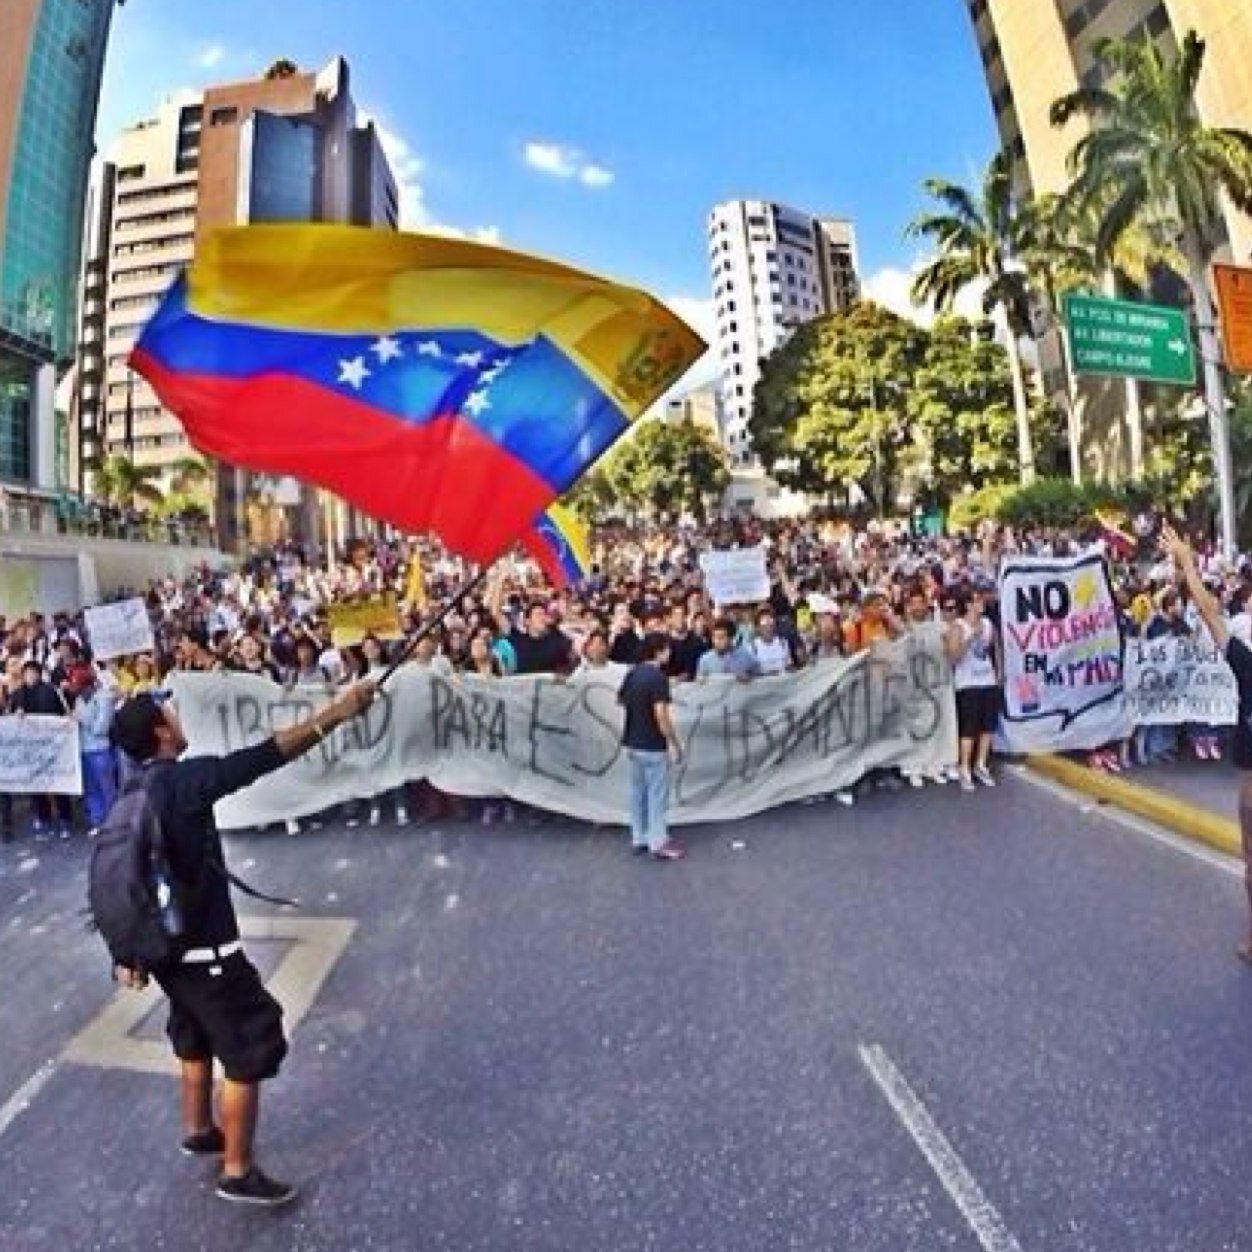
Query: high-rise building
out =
(1035, 52)
(286, 147)
(51, 58)
(773, 269)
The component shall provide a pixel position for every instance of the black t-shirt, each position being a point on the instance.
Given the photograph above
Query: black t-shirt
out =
(549, 653)
(626, 648)
(685, 654)
(1239, 657)
(184, 797)
(642, 690)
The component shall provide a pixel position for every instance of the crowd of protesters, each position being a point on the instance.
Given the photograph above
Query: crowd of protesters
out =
(835, 590)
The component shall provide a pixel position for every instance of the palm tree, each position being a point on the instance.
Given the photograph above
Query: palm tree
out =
(118, 480)
(978, 237)
(1148, 159)
(1058, 249)
(188, 473)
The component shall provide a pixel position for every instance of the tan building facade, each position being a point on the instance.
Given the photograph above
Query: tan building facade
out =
(1035, 51)
(286, 147)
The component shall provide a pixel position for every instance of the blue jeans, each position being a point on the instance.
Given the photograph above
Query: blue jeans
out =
(649, 798)
(99, 784)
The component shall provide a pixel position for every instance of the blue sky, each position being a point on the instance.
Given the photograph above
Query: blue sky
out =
(602, 131)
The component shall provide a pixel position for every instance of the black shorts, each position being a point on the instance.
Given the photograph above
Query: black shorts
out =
(228, 1016)
(977, 711)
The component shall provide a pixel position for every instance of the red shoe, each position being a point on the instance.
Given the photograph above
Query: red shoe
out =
(669, 851)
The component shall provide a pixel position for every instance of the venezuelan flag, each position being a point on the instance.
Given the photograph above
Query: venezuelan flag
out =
(437, 384)
(561, 543)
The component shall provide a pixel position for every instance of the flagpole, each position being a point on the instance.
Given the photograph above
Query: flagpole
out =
(468, 589)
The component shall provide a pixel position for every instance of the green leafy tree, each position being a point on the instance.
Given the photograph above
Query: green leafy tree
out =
(978, 236)
(190, 476)
(670, 467)
(118, 480)
(867, 399)
(1148, 159)
(832, 407)
(962, 399)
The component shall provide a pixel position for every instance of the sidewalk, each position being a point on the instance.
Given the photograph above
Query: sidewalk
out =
(1197, 799)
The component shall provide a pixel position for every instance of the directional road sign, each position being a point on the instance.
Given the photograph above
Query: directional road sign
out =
(1151, 342)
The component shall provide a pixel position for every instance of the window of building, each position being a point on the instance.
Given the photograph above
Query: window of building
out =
(129, 173)
(227, 115)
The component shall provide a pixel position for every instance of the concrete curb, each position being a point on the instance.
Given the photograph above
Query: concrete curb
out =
(1181, 816)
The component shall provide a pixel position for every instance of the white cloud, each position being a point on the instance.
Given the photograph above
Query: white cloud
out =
(595, 176)
(701, 316)
(407, 168)
(891, 287)
(479, 234)
(561, 161)
(698, 313)
(212, 56)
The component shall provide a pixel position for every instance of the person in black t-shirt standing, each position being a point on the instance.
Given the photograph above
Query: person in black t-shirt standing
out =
(219, 1008)
(541, 648)
(1239, 657)
(651, 745)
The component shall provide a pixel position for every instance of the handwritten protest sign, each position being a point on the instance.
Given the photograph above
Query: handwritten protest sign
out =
(557, 744)
(39, 756)
(1170, 682)
(1062, 649)
(121, 629)
(735, 575)
(351, 622)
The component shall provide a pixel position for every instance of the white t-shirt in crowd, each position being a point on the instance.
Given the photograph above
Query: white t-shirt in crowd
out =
(773, 656)
(976, 668)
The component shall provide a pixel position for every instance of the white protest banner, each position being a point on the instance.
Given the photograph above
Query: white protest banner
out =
(121, 629)
(556, 743)
(735, 575)
(1062, 650)
(39, 756)
(1170, 682)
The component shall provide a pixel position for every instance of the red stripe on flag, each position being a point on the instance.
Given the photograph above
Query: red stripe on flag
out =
(441, 475)
(547, 560)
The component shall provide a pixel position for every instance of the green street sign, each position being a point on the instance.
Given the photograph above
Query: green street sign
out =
(1151, 342)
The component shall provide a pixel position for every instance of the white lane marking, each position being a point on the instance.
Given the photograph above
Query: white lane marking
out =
(24, 1096)
(1140, 825)
(958, 1182)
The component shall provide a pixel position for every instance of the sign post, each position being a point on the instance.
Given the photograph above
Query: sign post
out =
(1126, 339)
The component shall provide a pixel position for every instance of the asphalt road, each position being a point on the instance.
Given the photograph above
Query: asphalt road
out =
(1004, 1021)
(1213, 785)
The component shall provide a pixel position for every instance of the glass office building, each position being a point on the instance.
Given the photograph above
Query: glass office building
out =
(51, 58)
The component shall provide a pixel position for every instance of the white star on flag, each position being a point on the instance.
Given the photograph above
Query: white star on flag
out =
(428, 347)
(477, 404)
(490, 376)
(387, 348)
(354, 372)
(472, 360)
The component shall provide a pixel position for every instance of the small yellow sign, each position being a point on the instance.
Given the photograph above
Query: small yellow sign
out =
(351, 622)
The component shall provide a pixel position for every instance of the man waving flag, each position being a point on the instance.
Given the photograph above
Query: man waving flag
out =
(436, 384)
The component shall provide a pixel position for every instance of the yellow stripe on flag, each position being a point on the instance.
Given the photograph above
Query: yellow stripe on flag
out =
(350, 279)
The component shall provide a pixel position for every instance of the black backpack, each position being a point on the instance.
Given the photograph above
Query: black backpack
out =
(136, 903)
(133, 898)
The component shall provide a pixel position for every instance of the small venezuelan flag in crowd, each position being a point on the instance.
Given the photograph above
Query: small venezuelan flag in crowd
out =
(561, 543)
(439, 385)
